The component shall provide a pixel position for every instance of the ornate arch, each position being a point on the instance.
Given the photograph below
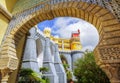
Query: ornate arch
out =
(106, 53)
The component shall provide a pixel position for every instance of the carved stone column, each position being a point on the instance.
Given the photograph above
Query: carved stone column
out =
(30, 53)
(112, 71)
(47, 62)
(7, 65)
(59, 67)
(5, 75)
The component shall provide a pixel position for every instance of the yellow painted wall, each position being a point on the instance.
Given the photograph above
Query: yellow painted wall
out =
(20, 48)
(76, 46)
(8, 4)
(3, 26)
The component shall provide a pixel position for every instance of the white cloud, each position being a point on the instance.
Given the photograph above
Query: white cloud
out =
(62, 22)
(89, 36)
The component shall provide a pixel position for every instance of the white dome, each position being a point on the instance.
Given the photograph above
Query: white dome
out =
(47, 29)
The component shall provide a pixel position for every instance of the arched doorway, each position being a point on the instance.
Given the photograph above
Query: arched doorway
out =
(106, 53)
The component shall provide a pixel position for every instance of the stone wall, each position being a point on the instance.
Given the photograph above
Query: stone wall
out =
(24, 13)
(71, 57)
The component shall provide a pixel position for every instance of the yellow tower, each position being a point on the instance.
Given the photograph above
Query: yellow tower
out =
(47, 32)
(75, 41)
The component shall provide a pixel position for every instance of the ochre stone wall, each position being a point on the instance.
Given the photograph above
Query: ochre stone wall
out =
(6, 7)
(3, 26)
(8, 4)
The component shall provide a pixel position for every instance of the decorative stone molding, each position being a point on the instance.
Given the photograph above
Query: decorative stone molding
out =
(5, 12)
(5, 75)
(113, 72)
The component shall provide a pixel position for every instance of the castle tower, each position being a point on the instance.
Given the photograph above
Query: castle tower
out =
(75, 41)
(47, 32)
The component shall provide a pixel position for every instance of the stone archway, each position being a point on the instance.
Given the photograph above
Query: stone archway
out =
(106, 53)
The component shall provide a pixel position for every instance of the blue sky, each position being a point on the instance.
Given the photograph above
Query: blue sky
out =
(63, 26)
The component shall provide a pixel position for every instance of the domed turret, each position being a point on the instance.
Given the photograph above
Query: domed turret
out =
(47, 32)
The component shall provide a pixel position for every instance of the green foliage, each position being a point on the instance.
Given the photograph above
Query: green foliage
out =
(44, 69)
(87, 71)
(63, 58)
(46, 79)
(27, 75)
(69, 75)
(66, 67)
(64, 62)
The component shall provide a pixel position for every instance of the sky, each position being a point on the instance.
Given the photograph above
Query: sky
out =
(64, 26)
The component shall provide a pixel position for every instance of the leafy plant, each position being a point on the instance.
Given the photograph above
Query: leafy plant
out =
(27, 75)
(46, 79)
(87, 71)
(69, 75)
(66, 67)
(44, 69)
